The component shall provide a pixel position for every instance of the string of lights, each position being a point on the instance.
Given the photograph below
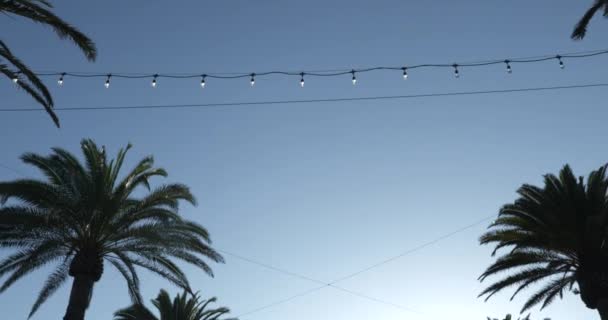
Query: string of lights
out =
(155, 78)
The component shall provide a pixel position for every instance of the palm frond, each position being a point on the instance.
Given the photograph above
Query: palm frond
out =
(547, 293)
(39, 14)
(163, 267)
(34, 192)
(183, 306)
(580, 30)
(54, 281)
(32, 91)
(518, 259)
(134, 312)
(36, 258)
(125, 267)
(6, 53)
(552, 231)
(521, 277)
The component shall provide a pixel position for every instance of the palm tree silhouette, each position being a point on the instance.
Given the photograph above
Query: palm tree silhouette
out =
(182, 308)
(82, 214)
(581, 27)
(556, 234)
(38, 11)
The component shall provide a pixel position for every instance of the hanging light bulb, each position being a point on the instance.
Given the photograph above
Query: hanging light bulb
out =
(404, 73)
(456, 73)
(509, 70)
(302, 80)
(15, 79)
(60, 81)
(107, 84)
(561, 63)
(203, 80)
(154, 81)
(253, 79)
(354, 77)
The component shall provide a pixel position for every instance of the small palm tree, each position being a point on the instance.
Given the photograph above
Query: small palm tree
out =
(556, 234)
(182, 308)
(581, 27)
(81, 215)
(509, 317)
(38, 11)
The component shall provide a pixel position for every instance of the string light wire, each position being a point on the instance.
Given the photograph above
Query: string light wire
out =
(334, 72)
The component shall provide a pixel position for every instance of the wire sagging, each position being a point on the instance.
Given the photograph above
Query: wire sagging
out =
(456, 67)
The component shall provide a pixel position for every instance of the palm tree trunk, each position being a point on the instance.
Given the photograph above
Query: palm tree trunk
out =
(602, 308)
(82, 290)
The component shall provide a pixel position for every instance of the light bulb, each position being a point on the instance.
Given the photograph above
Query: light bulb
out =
(60, 81)
(302, 80)
(154, 81)
(456, 73)
(252, 79)
(107, 84)
(15, 79)
(203, 81)
(561, 63)
(354, 78)
(404, 73)
(509, 70)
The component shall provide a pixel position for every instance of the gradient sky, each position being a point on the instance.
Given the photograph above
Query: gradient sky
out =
(323, 189)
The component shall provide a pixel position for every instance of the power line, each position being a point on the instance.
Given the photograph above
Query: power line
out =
(303, 277)
(307, 101)
(301, 294)
(315, 289)
(364, 296)
(267, 266)
(332, 284)
(410, 251)
(203, 76)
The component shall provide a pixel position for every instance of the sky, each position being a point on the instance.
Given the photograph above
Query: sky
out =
(323, 190)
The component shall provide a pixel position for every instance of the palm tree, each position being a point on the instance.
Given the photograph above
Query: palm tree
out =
(182, 308)
(509, 317)
(82, 214)
(38, 11)
(556, 234)
(581, 27)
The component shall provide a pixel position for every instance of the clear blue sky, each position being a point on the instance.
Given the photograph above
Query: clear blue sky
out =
(324, 189)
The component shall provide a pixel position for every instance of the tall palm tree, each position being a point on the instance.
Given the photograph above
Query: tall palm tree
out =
(556, 234)
(183, 307)
(38, 11)
(581, 27)
(82, 214)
